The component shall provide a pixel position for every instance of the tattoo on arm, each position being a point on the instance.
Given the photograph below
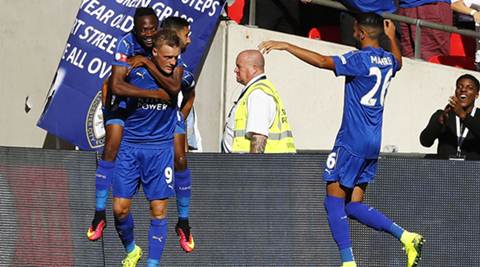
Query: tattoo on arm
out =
(258, 143)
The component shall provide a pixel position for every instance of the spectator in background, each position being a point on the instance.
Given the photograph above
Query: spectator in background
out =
(365, 6)
(433, 42)
(467, 7)
(347, 19)
(275, 15)
(257, 122)
(457, 127)
(325, 19)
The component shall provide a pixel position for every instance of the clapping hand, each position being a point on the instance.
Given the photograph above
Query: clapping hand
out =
(456, 106)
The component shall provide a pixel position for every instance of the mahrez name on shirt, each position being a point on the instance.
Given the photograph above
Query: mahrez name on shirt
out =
(385, 61)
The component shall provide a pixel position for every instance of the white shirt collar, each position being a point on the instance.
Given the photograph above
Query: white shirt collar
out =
(253, 80)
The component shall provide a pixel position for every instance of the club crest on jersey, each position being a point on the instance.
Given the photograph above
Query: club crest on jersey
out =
(94, 123)
(120, 57)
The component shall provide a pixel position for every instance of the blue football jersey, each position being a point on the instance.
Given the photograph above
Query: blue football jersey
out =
(148, 120)
(368, 73)
(415, 3)
(128, 46)
(188, 80)
(374, 6)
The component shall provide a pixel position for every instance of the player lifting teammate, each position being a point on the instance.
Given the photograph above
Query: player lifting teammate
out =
(134, 49)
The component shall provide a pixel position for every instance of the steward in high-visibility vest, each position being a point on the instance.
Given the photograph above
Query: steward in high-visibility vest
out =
(280, 138)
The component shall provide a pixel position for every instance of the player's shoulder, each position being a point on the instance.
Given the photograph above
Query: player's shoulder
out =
(354, 55)
(125, 47)
(181, 62)
(379, 57)
(139, 73)
(127, 40)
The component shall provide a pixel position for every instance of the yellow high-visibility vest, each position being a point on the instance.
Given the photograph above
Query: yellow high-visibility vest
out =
(280, 138)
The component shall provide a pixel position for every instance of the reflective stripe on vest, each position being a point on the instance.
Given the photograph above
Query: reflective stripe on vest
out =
(271, 136)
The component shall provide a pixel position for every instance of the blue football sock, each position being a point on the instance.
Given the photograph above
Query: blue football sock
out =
(152, 263)
(183, 185)
(373, 218)
(157, 238)
(124, 228)
(338, 221)
(396, 231)
(103, 181)
(101, 197)
(346, 254)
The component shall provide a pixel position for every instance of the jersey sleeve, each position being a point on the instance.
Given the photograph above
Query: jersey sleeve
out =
(188, 80)
(122, 52)
(350, 64)
(396, 66)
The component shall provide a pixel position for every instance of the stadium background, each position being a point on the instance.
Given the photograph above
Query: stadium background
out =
(262, 210)
(34, 33)
(247, 210)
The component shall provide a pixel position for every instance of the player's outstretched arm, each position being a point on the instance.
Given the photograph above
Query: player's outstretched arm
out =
(171, 83)
(389, 29)
(310, 57)
(120, 87)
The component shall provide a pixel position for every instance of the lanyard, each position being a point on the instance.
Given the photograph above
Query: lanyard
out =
(261, 77)
(461, 136)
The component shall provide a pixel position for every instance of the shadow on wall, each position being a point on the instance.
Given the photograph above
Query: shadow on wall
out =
(53, 142)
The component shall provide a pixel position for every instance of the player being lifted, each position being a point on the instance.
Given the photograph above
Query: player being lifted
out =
(353, 160)
(134, 49)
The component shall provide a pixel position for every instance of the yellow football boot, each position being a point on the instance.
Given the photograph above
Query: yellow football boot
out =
(412, 243)
(349, 264)
(132, 258)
